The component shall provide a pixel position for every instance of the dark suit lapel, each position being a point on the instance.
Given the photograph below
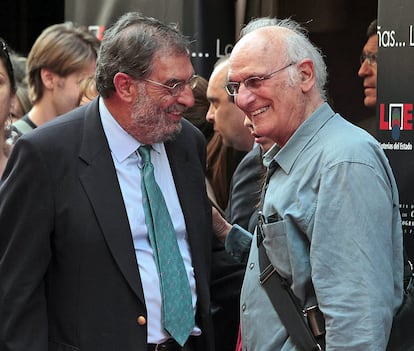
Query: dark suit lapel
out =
(190, 184)
(101, 184)
(182, 173)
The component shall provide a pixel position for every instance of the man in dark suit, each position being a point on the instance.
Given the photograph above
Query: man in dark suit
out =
(77, 268)
(228, 121)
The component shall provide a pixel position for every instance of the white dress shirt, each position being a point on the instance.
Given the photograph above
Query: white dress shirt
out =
(128, 168)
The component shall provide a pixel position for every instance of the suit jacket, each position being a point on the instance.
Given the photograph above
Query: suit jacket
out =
(245, 189)
(69, 276)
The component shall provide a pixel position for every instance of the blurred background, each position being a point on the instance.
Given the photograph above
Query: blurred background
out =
(338, 27)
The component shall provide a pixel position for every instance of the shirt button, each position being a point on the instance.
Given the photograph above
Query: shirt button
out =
(141, 320)
(244, 307)
(251, 265)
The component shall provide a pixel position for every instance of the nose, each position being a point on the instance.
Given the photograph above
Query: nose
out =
(244, 98)
(186, 97)
(365, 69)
(210, 114)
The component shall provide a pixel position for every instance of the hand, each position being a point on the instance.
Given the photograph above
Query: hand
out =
(220, 226)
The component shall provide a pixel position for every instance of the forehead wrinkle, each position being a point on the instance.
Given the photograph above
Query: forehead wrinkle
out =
(162, 66)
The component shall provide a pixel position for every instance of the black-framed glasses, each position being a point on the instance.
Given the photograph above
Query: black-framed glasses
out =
(178, 87)
(3, 47)
(370, 58)
(8, 63)
(252, 83)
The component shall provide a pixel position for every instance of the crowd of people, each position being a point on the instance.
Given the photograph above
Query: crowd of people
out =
(252, 163)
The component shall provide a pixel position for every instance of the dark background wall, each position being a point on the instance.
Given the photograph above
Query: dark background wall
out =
(337, 26)
(21, 21)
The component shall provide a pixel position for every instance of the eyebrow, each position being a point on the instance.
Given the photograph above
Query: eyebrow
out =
(177, 80)
(174, 80)
(212, 99)
(247, 76)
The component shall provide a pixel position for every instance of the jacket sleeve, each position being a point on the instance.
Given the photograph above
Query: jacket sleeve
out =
(26, 218)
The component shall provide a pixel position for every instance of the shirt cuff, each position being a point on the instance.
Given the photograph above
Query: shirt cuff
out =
(238, 242)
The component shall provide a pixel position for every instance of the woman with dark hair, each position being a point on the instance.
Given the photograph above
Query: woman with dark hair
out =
(7, 92)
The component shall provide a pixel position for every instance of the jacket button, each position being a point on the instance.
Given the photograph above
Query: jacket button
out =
(141, 320)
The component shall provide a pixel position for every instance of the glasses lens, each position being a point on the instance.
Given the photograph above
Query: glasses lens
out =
(232, 88)
(176, 88)
(253, 83)
(180, 86)
(371, 58)
(362, 59)
(193, 81)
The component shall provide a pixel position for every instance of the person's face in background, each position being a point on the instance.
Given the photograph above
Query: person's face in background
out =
(265, 143)
(16, 109)
(66, 92)
(368, 71)
(227, 118)
(6, 94)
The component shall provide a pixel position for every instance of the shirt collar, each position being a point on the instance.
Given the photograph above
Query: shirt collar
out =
(306, 132)
(121, 143)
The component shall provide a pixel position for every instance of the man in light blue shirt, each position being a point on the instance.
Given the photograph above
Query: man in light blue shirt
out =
(337, 237)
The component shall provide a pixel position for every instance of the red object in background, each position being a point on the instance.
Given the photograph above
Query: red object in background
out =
(98, 31)
(239, 342)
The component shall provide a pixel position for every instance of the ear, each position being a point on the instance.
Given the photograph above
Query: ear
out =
(306, 75)
(49, 78)
(125, 87)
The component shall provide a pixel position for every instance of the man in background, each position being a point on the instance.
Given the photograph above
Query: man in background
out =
(228, 121)
(368, 71)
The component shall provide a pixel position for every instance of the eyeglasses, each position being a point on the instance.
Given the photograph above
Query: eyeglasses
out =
(252, 83)
(8, 63)
(371, 59)
(178, 87)
(3, 47)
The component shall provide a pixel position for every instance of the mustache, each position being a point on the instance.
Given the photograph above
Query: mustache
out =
(176, 108)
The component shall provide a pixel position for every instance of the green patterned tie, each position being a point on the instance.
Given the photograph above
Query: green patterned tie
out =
(177, 307)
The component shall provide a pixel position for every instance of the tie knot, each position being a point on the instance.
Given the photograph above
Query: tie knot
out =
(145, 153)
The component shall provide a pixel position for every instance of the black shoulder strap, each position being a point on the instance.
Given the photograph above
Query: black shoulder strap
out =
(280, 294)
(23, 125)
(284, 302)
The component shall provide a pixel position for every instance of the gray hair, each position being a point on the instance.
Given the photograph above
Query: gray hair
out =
(298, 46)
(372, 29)
(257, 23)
(129, 46)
